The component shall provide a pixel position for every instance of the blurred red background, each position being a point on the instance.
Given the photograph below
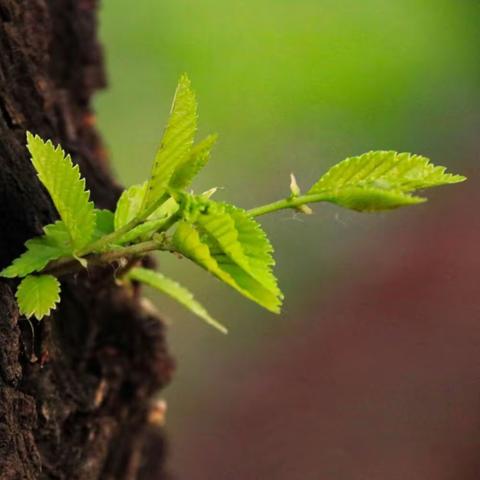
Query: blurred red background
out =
(383, 384)
(372, 369)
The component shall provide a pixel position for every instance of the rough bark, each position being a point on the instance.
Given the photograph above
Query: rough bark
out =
(76, 389)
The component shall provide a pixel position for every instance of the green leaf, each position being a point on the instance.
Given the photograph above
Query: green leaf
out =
(187, 241)
(177, 292)
(129, 204)
(256, 247)
(55, 243)
(104, 223)
(381, 180)
(66, 188)
(232, 246)
(370, 199)
(232, 232)
(198, 158)
(37, 295)
(176, 143)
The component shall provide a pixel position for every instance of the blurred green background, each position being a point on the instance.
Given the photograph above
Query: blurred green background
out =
(289, 86)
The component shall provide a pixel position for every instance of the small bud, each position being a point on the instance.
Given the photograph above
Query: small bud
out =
(210, 192)
(305, 209)
(294, 188)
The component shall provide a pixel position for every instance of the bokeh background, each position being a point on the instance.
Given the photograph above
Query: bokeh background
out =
(372, 371)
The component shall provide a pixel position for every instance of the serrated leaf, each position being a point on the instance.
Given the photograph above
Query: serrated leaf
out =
(257, 248)
(198, 158)
(234, 233)
(381, 180)
(55, 243)
(187, 242)
(129, 204)
(232, 246)
(176, 143)
(367, 199)
(37, 295)
(176, 291)
(66, 188)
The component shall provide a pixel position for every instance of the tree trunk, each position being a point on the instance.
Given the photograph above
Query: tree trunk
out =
(76, 390)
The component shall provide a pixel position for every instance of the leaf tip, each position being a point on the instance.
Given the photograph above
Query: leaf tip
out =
(184, 80)
(30, 136)
(7, 273)
(458, 179)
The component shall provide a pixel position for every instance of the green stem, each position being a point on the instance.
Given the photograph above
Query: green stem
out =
(155, 206)
(170, 221)
(64, 267)
(102, 242)
(291, 202)
(110, 238)
(138, 249)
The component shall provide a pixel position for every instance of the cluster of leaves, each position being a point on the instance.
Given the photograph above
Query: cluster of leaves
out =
(161, 215)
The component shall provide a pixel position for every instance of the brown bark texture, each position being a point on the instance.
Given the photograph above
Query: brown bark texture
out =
(76, 389)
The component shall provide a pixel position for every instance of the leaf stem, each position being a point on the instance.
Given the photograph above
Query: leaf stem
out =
(117, 234)
(290, 202)
(110, 238)
(137, 249)
(71, 265)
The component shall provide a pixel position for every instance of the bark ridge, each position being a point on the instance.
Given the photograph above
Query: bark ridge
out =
(76, 390)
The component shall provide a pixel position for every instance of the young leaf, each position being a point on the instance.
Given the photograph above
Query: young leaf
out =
(103, 223)
(176, 143)
(37, 295)
(177, 292)
(188, 242)
(66, 188)
(381, 180)
(232, 232)
(198, 158)
(369, 199)
(257, 248)
(55, 243)
(129, 204)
